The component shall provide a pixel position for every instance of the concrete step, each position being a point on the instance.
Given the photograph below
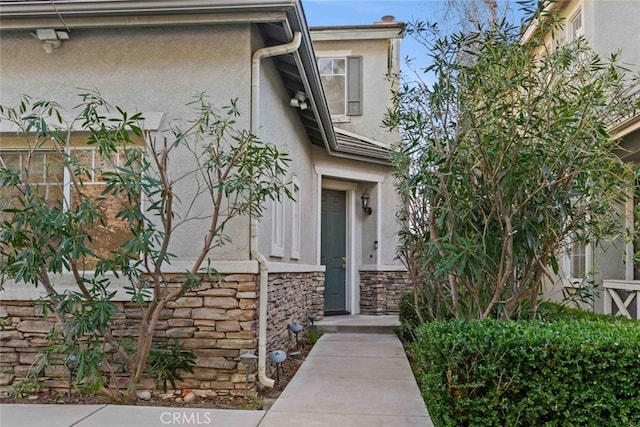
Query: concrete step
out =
(359, 324)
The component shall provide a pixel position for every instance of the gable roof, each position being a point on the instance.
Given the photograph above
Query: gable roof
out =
(277, 21)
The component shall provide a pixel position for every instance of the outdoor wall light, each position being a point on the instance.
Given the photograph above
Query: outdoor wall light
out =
(365, 203)
(51, 39)
(299, 100)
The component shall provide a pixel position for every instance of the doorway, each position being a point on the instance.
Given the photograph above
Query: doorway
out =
(333, 249)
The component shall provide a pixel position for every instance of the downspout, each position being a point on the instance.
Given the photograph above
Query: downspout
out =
(263, 268)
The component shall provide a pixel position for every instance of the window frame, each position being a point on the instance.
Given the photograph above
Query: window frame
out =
(277, 228)
(353, 91)
(573, 32)
(295, 218)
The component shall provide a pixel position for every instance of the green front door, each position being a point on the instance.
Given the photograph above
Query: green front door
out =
(333, 250)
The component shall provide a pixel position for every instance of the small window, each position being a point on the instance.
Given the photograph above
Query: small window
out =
(575, 26)
(578, 260)
(295, 221)
(342, 82)
(333, 73)
(277, 228)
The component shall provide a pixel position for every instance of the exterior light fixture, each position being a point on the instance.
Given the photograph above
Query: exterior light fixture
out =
(51, 39)
(247, 359)
(296, 328)
(365, 203)
(277, 357)
(299, 100)
(312, 318)
(72, 364)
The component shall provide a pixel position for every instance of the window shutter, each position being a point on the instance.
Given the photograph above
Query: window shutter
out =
(354, 85)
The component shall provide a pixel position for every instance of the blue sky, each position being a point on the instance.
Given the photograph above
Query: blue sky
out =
(363, 12)
(357, 12)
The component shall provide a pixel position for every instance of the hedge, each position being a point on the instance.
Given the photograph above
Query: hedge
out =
(529, 373)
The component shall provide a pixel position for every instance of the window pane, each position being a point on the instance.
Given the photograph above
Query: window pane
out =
(325, 66)
(10, 161)
(55, 169)
(339, 66)
(114, 233)
(36, 172)
(334, 87)
(578, 260)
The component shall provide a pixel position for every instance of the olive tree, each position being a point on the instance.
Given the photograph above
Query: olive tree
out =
(59, 229)
(506, 158)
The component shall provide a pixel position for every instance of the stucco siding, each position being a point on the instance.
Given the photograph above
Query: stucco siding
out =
(384, 208)
(143, 69)
(376, 86)
(612, 16)
(279, 124)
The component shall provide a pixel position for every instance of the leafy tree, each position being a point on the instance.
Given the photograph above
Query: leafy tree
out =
(50, 230)
(506, 157)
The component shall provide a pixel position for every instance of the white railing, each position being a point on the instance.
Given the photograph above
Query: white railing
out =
(613, 292)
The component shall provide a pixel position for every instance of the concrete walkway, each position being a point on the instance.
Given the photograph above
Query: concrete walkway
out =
(351, 380)
(348, 379)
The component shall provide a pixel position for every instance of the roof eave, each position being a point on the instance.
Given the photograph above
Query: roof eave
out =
(94, 13)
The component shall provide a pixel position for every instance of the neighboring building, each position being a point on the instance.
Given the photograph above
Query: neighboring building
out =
(153, 57)
(609, 26)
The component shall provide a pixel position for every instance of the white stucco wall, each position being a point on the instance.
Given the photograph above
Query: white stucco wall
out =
(616, 26)
(142, 69)
(376, 86)
(280, 125)
(381, 225)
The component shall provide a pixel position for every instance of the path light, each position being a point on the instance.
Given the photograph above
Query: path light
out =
(296, 328)
(247, 359)
(72, 364)
(277, 357)
(312, 318)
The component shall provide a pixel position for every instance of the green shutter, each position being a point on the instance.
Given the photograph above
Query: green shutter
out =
(354, 85)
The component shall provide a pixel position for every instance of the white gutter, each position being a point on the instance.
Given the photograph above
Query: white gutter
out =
(266, 52)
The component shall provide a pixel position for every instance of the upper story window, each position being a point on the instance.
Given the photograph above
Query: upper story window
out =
(574, 26)
(342, 82)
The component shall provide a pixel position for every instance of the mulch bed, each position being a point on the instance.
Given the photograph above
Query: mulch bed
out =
(265, 397)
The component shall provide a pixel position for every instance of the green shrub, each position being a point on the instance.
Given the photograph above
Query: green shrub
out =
(553, 312)
(408, 314)
(529, 373)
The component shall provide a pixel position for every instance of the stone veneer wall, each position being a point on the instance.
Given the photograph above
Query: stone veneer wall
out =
(292, 297)
(217, 322)
(380, 291)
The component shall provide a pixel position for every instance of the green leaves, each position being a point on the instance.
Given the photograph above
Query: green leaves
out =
(506, 156)
(569, 372)
(166, 362)
(110, 202)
